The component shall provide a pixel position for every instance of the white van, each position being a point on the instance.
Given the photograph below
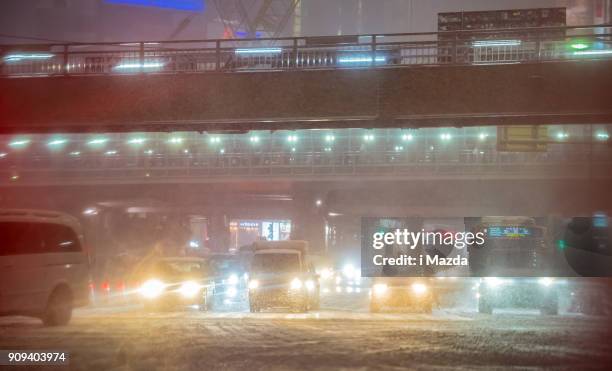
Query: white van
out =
(44, 271)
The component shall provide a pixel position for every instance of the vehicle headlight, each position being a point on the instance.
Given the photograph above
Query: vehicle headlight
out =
(232, 279)
(151, 288)
(189, 289)
(310, 285)
(493, 282)
(380, 288)
(326, 273)
(419, 288)
(231, 291)
(253, 284)
(296, 284)
(546, 281)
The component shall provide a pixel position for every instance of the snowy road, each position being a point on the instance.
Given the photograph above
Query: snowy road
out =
(129, 339)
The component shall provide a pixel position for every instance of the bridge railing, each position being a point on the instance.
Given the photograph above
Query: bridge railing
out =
(596, 162)
(472, 47)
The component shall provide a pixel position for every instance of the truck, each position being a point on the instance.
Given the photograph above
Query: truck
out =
(281, 275)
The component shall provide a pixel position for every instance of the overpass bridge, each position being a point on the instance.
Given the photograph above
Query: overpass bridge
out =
(511, 76)
(301, 156)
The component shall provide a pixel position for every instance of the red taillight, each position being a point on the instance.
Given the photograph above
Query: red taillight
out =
(105, 286)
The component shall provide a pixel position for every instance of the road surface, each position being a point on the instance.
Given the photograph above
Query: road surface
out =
(127, 338)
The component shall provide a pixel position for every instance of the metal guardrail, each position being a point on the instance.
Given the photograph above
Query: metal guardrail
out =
(475, 47)
(463, 163)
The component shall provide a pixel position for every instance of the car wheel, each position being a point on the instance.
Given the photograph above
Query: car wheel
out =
(59, 308)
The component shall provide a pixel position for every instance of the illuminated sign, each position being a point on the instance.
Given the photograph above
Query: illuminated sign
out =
(508, 232)
(188, 5)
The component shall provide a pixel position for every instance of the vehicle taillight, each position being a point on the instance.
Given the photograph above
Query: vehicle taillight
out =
(105, 286)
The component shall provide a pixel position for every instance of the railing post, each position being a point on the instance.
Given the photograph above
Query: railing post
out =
(295, 52)
(141, 57)
(373, 47)
(538, 47)
(65, 59)
(218, 55)
(455, 39)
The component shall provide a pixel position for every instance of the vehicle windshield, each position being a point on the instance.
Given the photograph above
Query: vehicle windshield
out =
(276, 263)
(174, 268)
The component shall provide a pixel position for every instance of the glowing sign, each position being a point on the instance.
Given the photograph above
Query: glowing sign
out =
(188, 5)
(508, 232)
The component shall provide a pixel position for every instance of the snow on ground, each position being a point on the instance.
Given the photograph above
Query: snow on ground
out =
(127, 338)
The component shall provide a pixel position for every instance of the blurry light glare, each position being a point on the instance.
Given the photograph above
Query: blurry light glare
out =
(175, 140)
(368, 137)
(327, 149)
(110, 153)
(579, 46)
(407, 137)
(3, 154)
(593, 52)
(97, 141)
(562, 135)
(189, 289)
(19, 143)
(349, 271)
(318, 202)
(292, 138)
(30, 56)
(380, 288)
(75, 153)
(90, 211)
(480, 43)
(214, 140)
(364, 59)
(296, 284)
(330, 138)
(194, 244)
(137, 141)
(231, 292)
(419, 288)
(253, 284)
(482, 136)
(399, 148)
(129, 66)
(602, 135)
(149, 151)
(152, 288)
(259, 51)
(57, 142)
(222, 151)
(254, 139)
(445, 136)
(546, 281)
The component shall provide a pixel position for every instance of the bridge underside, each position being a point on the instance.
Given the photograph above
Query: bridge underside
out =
(384, 198)
(538, 93)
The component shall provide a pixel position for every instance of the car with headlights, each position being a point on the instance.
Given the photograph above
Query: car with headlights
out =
(402, 293)
(281, 276)
(44, 265)
(172, 283)
(229, 278)
(512, 257)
